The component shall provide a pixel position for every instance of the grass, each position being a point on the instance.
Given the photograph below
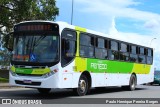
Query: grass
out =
(3, 80)
(4, 76)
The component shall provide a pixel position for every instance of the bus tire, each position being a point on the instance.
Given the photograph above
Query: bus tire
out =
(82, 86)
(132, 82)
(44, 90)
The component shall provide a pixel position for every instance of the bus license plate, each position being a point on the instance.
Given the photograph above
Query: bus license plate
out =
(27, 81)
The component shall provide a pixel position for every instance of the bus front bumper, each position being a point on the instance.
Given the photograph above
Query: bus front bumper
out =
(34, 82)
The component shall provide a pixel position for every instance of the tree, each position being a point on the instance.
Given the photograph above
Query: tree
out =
(15, 11)
(5, 57)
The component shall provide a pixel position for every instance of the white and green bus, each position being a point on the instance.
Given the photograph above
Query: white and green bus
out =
(54, 55)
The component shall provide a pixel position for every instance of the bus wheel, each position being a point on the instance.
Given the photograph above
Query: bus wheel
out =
(82, 86)
(44, 90)
(132, 82)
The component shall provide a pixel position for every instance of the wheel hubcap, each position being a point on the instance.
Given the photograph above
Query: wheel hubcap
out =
(133, 83)
(82, 86)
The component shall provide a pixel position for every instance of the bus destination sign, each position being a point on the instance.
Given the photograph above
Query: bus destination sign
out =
(36, 27)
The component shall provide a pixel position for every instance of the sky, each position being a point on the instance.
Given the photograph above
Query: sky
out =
(135, 21)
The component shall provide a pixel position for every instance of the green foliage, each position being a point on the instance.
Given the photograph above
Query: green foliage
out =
(15, 11)
(5, 57)
(3, 80)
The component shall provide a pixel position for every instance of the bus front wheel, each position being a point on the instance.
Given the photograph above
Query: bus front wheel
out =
(82, 86)
(44, 90)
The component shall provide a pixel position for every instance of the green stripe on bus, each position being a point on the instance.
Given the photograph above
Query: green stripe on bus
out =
(23, 71)
(13, 69)
(30, 70)
(78, 48)
(80, 29)
(108, 66)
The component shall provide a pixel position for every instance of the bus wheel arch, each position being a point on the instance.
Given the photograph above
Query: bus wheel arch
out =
(131, 83)
(84, 84)
(87, 74)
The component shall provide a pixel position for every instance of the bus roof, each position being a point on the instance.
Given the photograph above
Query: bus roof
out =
(66, 25)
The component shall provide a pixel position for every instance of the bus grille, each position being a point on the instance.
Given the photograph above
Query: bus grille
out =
(34, 75)
(32, 83)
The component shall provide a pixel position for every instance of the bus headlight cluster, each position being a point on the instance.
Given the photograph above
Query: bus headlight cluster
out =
(49, 74)
(13, 73)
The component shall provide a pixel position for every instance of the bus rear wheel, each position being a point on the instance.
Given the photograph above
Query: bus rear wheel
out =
(82, 86)
(44, 90)
(132, 82)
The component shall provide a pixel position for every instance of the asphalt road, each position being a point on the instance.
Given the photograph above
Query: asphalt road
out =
(142, 91)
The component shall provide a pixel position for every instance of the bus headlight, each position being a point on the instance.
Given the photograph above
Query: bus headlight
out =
(13, 73)
(49, 73)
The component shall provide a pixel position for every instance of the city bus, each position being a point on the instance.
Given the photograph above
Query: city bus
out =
(56, 55)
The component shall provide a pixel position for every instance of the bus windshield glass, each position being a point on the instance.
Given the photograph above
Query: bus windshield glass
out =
(36, 48)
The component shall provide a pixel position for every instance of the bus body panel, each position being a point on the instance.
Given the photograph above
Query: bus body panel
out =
(110, 73)
(50, 82)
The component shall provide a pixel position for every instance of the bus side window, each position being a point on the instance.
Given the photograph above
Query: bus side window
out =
(149, 56)
(134, 58)
(133, 53)
(68, 47)
(86, 45)
(113, 52)
(142, 57)
(124, 49)
(100, 50)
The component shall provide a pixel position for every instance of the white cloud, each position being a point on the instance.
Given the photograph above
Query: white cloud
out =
(153, 25)
(110, 10)
(136, 38)
(122, 9)
(117, 8)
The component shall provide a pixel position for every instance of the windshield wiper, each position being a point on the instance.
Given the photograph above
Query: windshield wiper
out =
(27, 45)
(39, 39)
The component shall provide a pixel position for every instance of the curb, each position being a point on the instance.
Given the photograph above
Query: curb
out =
(4, 84)
(8, 86)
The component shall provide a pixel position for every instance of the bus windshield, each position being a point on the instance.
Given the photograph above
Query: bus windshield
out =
(35, 48)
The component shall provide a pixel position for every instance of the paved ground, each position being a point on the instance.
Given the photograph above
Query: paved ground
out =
(7, 86)
(55, 96)
(142, 91)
